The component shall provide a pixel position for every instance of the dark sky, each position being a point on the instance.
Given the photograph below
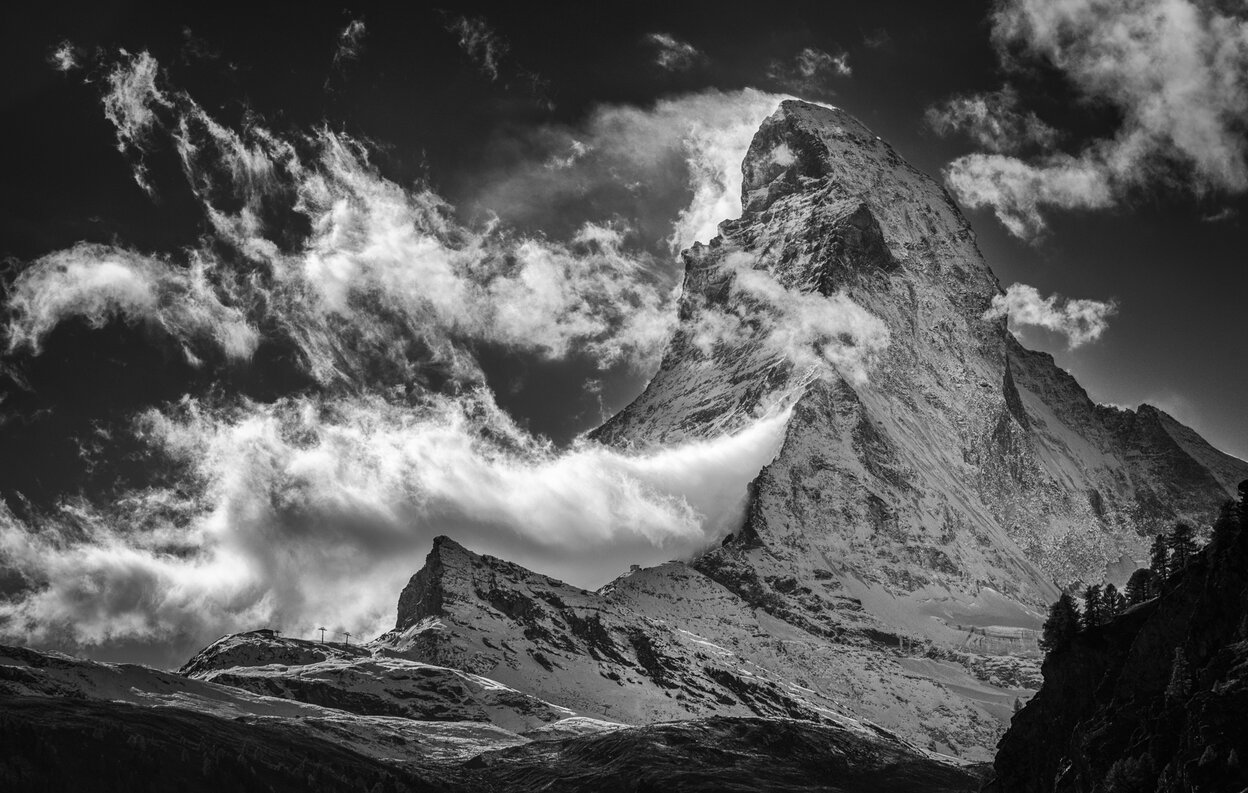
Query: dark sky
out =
(1177, 340)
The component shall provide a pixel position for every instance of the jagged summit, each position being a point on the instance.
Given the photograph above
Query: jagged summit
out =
(800, 145)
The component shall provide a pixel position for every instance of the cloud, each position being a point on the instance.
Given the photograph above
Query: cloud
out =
(309, 513)
(64, 57)
(877, 38)
(673, 54)
(993, 120)
(810, 70)
(1176, 71)
(1222, 215)
(680, 157)
(131, 104)
(814, 332)
(97, 283)
(385, 279)
(1017, 190)
(350, 43)
(482, 43)
(1080, 321)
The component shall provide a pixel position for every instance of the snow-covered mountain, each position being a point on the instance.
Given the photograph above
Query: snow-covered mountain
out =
(936, 485)
(954, 485)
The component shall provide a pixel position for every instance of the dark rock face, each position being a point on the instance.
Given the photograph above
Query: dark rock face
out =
(1155, 700)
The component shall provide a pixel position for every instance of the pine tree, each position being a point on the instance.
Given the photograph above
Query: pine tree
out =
(1112, 602)
(1182, 547)
(1243, 504)
(1062, 624)
(1159, 558)
(1227, 523)
(1093, 608)
(1180, 678)
(1141, 586)
(1018, 704)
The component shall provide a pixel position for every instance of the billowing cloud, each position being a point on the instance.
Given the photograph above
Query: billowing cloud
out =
(682, 157)
(993, 120)
(1080, 321)
(814, 332)
(1176, 70)
(1017, 190)
(301, 502)
(673, 54)
(485, 46)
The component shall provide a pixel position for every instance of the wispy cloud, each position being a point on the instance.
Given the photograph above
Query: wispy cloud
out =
(131, 104)
(995, 121)
(811, 70)
(485, 46)
(350, 43)
(64, 57)
(1080, 321)
(673, 54)
(1176, 70)
(1222, 215)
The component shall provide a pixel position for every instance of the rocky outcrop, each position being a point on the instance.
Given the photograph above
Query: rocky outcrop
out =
(1154, 700)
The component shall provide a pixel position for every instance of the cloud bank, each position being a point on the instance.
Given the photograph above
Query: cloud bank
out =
(1080, 321)
(311, 513)
(1176, 71)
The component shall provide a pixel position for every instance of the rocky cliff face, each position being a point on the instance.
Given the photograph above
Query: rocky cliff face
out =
(1152, 701)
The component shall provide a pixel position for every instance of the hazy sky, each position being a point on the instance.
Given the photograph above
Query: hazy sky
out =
(287, 291)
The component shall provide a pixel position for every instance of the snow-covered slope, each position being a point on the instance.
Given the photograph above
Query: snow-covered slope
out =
(356, 680)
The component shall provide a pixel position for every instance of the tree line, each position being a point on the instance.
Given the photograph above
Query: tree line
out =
(1169, 555)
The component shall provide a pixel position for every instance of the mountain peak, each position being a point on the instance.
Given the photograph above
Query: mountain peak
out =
(425, 594)
(797, 146)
